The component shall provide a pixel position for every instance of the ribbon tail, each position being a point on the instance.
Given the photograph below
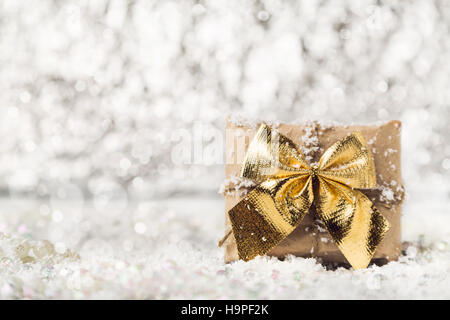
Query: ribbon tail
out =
(269, 213)
(352, 220)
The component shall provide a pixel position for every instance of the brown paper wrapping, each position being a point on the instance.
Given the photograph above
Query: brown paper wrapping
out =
(310, 239)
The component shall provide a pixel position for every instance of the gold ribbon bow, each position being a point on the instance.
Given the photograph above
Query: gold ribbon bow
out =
(288, 186)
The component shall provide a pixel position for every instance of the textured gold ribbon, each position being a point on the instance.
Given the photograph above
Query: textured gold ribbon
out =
(288, 186)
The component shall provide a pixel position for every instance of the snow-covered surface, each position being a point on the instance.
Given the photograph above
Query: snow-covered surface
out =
(168, 250)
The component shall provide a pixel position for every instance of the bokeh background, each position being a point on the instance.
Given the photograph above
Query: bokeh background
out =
(91, 93)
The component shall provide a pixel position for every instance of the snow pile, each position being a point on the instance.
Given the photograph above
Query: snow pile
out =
(236, 186)
(167, 250)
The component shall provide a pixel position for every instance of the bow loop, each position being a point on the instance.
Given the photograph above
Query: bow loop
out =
(272, 155)
(350, 162)
(271, 211)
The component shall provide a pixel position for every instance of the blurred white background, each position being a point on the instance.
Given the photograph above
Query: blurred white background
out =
(91, 93)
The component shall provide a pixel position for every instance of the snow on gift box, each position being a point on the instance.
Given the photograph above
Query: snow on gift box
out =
(350, 214)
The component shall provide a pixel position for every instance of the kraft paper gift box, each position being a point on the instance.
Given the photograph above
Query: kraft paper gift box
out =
(310, 238)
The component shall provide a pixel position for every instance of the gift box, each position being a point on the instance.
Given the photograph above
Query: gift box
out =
(311, 238)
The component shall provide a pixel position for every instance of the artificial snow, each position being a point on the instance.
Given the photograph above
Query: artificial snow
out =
(235, 185)
(177, 258)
